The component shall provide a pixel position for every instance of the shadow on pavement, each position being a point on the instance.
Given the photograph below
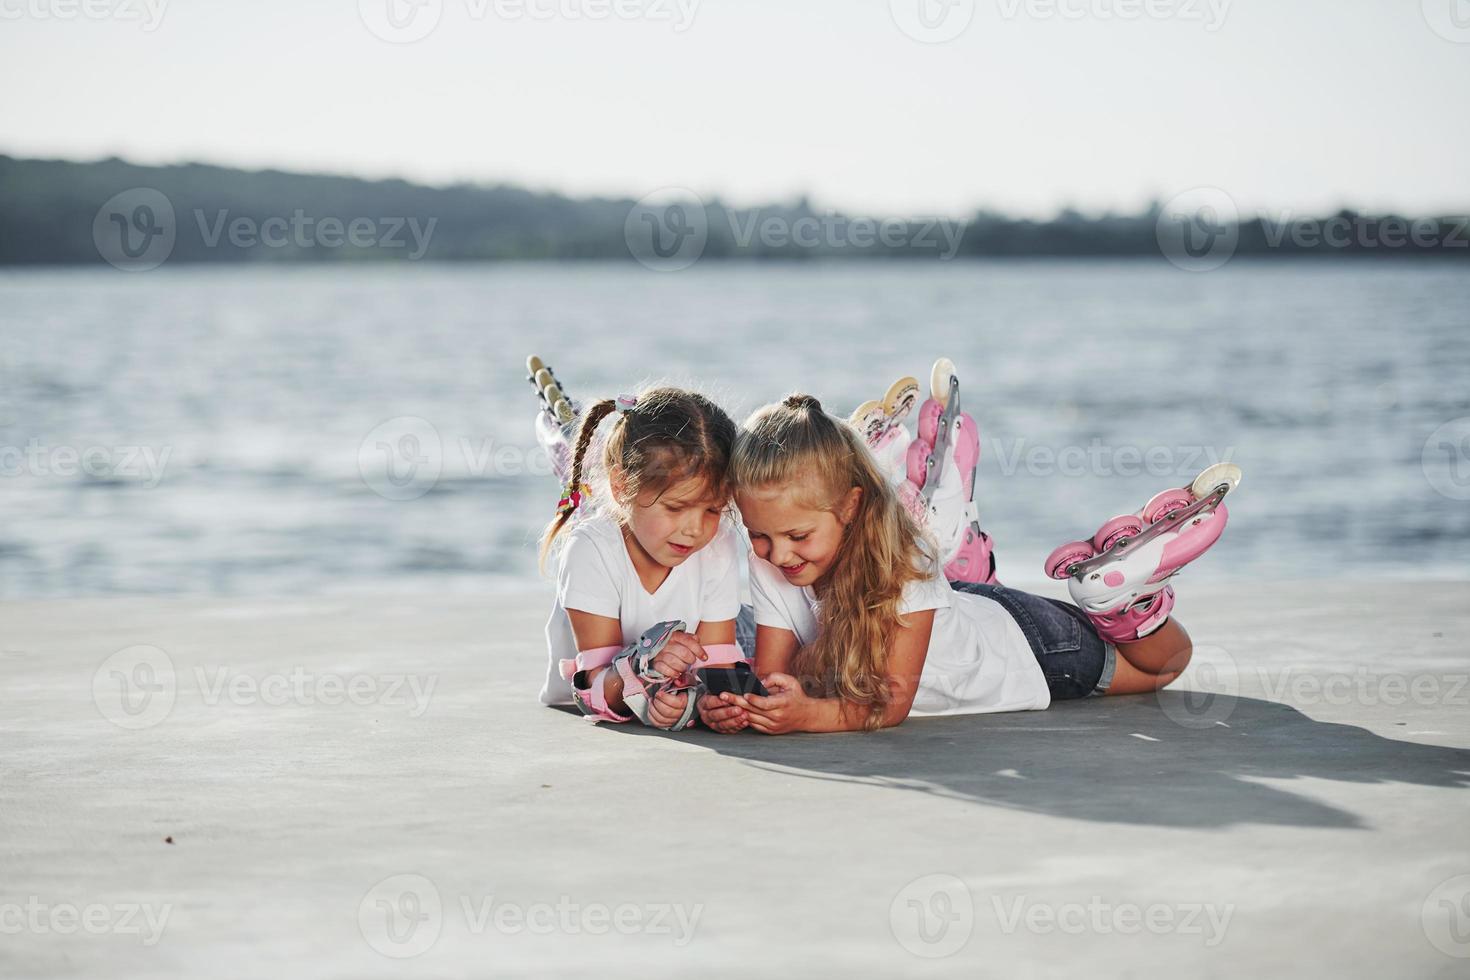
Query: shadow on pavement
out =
(1173, 759)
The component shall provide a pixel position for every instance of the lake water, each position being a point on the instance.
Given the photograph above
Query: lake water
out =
(212, 430)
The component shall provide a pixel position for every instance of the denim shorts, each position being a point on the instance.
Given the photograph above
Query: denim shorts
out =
(1076, 661)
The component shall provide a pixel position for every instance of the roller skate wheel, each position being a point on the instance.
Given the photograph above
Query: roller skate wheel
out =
(543, 379)
(552, 394)
(534, 365)
(1176, 498)
(1221, 474)
(939, 380)
(562, 409)
(901, 398)
(868, 418)
(1060, 561)
(1116, 531)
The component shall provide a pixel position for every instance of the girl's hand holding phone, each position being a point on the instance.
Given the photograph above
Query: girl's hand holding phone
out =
(786, 710)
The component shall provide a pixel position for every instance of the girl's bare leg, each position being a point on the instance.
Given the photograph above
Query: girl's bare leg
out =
(1152, 662)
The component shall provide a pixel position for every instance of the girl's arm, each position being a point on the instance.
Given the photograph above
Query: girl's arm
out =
(716, 634)
(788, 709)
(592, 632)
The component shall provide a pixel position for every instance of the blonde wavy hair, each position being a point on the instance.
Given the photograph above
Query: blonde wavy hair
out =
(795, 444)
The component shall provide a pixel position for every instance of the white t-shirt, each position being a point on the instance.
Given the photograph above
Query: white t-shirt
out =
(978, 660)
(596, 575)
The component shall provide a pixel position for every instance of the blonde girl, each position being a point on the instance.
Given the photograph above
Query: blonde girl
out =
(856, 626)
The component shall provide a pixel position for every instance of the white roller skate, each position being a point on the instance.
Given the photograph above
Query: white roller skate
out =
(556, 423)
(1120, 578)
(934, 471)
(881, 423)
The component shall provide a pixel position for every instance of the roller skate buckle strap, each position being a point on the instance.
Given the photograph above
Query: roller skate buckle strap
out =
(1169, 522)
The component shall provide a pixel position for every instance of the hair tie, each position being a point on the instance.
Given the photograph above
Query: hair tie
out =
(571, 498)
(626, 403)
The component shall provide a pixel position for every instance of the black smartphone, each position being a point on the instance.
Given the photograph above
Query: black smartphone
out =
(737, 678)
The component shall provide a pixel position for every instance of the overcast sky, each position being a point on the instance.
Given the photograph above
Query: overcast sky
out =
(1032, 105)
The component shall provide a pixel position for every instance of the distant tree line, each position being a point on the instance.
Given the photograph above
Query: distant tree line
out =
(61, 212)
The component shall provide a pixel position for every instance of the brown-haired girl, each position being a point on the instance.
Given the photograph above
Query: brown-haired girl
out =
(648, 547)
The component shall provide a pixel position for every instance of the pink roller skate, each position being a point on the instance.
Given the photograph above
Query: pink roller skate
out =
(934, 473)
(556, 423)
(1120, 578)
(881, 423)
